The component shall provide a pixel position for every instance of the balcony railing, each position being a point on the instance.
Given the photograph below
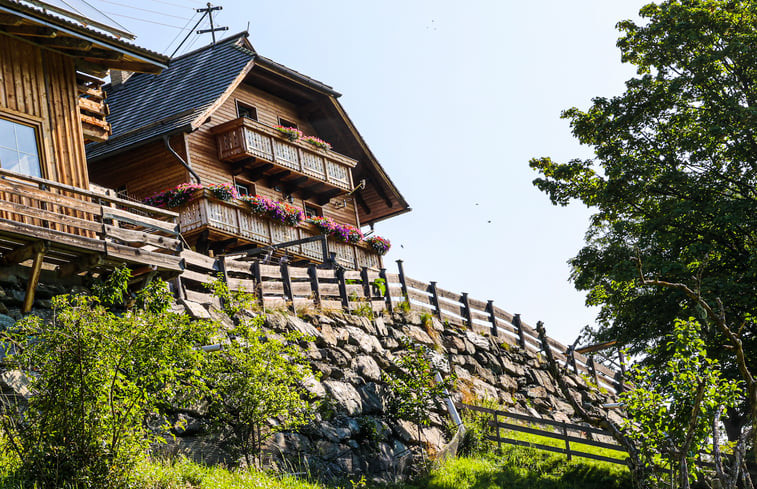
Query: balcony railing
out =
(263, 150)
(235, 219)
(82, 229)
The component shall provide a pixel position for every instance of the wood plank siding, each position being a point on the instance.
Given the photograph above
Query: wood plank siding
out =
(39, 87)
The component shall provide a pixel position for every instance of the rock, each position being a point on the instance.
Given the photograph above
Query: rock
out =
(6, 321)
(512, 368)
(417, 335)
(373, 398)
(507, 383)
(367, 368)
(276, 321)
(196, 310)
(289, 443)
(437, 325)
(478, 340)
(305, 329)
(368, 343)
(15, 382)
(536, 392)
(314, 387)
(330, 451)
(345, 396)
(440, 362)
(433, 438)
(340, 357)
(380, 327)
(482, 390)
(333, 433)
(186, 426)
(327, 336)
(461, 373)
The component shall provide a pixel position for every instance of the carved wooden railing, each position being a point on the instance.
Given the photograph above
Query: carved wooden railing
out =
(244, 138)
(92, 108)
(237, 220)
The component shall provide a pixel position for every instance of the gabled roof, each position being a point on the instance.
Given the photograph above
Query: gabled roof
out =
(96, 46)
(149, 106)
(180, 99)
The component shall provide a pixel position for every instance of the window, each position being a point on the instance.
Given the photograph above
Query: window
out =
(19, 149)
(122, 192)
(313, 211)
(286, 123)
(247, 111)
(244, 188)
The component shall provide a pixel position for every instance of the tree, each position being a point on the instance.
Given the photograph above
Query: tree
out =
(255, 377)
(674, 184)
(94, 376)
(672, 410)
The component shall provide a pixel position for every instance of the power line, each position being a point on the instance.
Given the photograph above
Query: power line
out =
(98, 10)
(143, 20)
(187, 36)
(176, 4)
(146, 10)
(180, 32)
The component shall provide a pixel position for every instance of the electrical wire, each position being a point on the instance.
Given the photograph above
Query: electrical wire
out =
(144, 20)
(178, 5)
(188, 48)
(101, 12)
(178, 34)
(145, 10)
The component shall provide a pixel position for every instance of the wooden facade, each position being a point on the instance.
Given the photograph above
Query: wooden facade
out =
(232, 139)
(52, 220)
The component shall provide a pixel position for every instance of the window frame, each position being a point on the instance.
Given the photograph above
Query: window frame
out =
(239, 104)
(288, 123)
(317, 208)
(246, 183)
(38, 126)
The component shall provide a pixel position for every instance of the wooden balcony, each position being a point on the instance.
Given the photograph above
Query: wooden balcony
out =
(225, 220)
(72, 230)
(300, 168)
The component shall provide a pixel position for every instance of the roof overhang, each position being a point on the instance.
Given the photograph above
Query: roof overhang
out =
(95, 52)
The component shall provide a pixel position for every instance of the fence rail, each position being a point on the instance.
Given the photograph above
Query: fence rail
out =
(371, 290)
(567, 433)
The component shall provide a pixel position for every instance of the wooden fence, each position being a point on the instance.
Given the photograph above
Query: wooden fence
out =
(565, 433)
(302, 287)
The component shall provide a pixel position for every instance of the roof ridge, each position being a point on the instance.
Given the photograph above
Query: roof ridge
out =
(211, 45)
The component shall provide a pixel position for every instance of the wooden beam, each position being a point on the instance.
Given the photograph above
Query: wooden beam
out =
(81, 265)
(277, 177)
(310, 191)
(30, 31)
(238, 167)
(94, 69)
(95, 55)
(325, 197)
(31, 285)
(382, 194)
(258, 172)
(8, 19)
(361, 202)
(66, 43)
(291, 186)
(23, 253)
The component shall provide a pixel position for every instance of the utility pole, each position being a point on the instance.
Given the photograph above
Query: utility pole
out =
(209, 12)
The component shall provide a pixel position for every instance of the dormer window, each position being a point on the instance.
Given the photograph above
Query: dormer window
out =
(247, 111)
(19, 147)
(285, 123)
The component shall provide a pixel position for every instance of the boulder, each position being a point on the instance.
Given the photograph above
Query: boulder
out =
(345, 396)
(367, 368)
(478, 340)
(417, 335)
(305, 329)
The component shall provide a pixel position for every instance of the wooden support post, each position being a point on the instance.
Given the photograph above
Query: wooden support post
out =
(567, 441)
(496, 431)
(519, 327)
(435, 300)
(23, 253)
(343, 289)
(315, 285)
(31, 285)
(256, 276)
(571, 354)
(622, 373)
(387, 294)
(403, 283)
(366, 284)
(593, 370)
(81, 265)
(492, 317)
(286, 279)
(466, 310)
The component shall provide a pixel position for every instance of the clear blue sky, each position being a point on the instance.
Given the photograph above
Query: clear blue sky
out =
(454, 98)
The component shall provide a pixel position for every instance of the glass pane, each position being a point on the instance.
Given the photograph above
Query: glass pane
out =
(27, 139)
(8, 159)
(29, 165)
(7, 134)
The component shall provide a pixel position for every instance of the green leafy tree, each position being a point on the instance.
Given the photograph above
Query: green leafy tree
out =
(672, 410)
(674, 185)
(94, 377)
(255, 377)
(414, 389)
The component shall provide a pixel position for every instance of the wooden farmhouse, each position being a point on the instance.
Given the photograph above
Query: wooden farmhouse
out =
(210, 121)
(52, 218)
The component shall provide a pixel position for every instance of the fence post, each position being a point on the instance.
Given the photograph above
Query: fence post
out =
(366, 284)
(387, 294)
(343, 289)
(622, 362)
(492, 318)
(466, 309)
(496, 428)
(257, 277)
(519, 327)
(220, 266)
(593, 370)
(571, 354)
(287, 281)
(435, 299)
(567, 441)
(403, 284)
(314, 285)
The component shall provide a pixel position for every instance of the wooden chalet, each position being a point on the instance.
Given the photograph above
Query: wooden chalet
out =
(52, 220)
(210, 118)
